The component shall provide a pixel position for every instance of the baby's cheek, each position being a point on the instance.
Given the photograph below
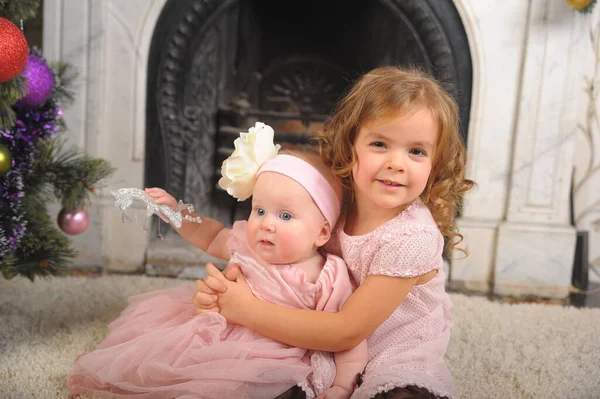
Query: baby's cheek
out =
(289, 243)
(286, 240)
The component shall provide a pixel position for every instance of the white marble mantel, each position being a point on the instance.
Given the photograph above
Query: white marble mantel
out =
(529, 62)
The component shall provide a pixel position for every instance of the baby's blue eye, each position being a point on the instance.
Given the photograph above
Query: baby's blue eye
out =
(285, 216)
(260, 212)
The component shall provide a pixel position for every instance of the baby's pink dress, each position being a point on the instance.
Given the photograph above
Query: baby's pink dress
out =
(409, 347)
(158, 348)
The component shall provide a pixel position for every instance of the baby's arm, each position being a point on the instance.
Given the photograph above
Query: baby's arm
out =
(349, 364)
(210, 236)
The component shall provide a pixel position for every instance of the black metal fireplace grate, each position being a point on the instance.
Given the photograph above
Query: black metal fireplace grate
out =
(218, 66)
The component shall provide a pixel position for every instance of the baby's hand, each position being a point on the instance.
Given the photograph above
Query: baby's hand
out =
(335, 392)
(161, 197)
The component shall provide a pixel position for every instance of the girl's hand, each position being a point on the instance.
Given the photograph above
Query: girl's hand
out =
(213, 285)
(161, 197)
(205, 299)
(236, 298)
(335, 392)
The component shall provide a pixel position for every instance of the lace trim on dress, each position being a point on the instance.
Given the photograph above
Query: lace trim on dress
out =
(322, 375)
(406, 274)
(308, 391)
(323, 371)
(402, 215)
(415, 204)
(408, 229)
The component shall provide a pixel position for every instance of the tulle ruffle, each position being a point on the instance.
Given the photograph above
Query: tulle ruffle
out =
(159, 348)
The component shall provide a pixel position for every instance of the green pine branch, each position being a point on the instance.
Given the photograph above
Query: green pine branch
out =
(44, 251)
(589, 8)
(64, 82)
(66, 174)
(10, 93)
(17, 10)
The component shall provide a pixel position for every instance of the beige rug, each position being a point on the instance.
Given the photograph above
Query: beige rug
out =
(497, 350)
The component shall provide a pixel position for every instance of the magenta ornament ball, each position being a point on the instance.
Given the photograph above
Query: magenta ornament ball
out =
(40, 81)
(74, 222)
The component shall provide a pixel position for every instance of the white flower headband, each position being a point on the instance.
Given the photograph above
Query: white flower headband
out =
(252, 149)
(255, 153)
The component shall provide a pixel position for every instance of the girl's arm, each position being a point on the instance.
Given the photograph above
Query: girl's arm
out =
(210, 235)
(366, 309)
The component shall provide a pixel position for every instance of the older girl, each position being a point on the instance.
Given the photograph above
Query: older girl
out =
(394, 142)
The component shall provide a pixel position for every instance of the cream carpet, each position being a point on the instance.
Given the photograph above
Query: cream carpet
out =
(497, 350)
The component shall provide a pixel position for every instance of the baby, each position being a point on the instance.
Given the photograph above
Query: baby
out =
(159, 348)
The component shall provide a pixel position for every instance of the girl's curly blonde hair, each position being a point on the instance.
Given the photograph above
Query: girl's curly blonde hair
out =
(384, 94)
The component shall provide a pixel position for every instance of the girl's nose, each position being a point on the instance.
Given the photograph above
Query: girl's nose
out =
(397, 162)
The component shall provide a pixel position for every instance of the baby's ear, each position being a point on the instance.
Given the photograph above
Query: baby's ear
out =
(324, 235)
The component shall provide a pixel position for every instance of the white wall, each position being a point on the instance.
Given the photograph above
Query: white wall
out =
(587, 153)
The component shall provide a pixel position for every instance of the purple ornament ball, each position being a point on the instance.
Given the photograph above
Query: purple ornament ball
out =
(75, 222)
(40, 82)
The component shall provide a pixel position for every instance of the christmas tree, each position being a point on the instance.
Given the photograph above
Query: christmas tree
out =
(36, 167)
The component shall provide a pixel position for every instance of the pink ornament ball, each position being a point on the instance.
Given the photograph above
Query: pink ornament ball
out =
(40, 81)
(74, 222)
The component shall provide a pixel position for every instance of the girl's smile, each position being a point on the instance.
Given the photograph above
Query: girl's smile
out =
(394, 162)
(390, 184)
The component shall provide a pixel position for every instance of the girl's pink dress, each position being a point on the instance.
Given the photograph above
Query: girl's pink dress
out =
(409, 347)
(159, 348)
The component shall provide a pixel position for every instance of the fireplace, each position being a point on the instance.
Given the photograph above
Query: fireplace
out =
(167, 84)
(216, 67)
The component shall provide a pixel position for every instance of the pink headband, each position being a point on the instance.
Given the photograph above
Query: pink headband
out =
(308, 177)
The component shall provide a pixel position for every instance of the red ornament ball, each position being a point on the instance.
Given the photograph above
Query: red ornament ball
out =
(73, 222)
(13, 50)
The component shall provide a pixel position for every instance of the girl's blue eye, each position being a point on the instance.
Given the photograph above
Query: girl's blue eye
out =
(285, 216)
(260, 212)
